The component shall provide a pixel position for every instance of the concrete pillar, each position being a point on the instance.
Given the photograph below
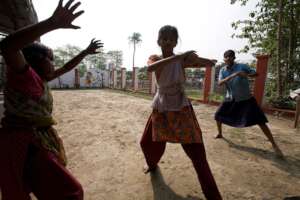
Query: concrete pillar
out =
(123, 78)
(213, 80)
(207, 83)
(135, 78)
(260, 80)
(77, 78)
(114, 78)
(152, 80)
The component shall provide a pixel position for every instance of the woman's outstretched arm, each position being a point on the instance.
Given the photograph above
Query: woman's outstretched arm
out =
(12, 45)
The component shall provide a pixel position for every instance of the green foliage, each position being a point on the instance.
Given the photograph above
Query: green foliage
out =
(261, 31)
(65, 53)
(135, 39)
(97, 60)
(116, 57)
(283, 103)
(143, 73)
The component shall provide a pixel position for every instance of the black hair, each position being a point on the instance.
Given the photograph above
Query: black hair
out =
(35, 52)
(229, 53)
(168, 28)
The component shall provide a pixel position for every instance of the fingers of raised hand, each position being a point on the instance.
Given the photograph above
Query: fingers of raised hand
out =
(214, 61)
(73, 8)
(190, 52)
(64, 15)
(94, 45)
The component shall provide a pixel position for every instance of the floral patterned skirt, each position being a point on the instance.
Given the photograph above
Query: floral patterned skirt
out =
(175, 126)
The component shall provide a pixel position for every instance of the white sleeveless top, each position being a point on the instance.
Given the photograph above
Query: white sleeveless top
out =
(170, 95)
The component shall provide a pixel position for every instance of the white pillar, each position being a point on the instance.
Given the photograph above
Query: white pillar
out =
(153, 83)
(114, 78)
(135, 79)
(123, 78)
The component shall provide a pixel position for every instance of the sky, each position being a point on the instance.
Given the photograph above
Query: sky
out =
(203, 25)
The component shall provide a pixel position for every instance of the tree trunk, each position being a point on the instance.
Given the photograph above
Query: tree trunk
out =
(291, 46)
(133, 53)
(279, 46)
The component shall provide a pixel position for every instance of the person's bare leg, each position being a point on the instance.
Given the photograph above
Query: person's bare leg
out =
(269, 135)
(219, 125)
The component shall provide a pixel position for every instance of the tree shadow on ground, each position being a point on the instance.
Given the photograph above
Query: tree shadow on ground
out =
(288, 163)
(162, 191)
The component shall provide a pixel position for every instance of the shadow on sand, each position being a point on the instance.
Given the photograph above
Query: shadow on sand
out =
(162, 191)
(288, 164)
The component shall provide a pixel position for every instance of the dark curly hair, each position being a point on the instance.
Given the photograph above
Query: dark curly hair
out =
(34, 53)
(168, 28)
(229, 53)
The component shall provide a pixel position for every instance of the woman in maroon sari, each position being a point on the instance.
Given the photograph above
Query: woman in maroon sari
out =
(32, 156)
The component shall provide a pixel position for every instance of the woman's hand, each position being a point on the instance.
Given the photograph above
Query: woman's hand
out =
(187, 54)
(94, 46)
(63, 16)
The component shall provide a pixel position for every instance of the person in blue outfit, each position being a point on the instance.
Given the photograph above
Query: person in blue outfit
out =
(240, 108)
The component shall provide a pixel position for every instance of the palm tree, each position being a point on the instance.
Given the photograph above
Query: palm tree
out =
(135, 38)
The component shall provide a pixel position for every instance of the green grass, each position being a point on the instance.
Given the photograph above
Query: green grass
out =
(194, 93)
(132, 93)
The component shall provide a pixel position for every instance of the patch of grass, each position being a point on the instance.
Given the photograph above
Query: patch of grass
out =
(138, 94)
(216, 97)
(194, 93)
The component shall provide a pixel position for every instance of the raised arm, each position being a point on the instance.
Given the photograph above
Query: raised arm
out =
(91, 49)
(162, 62)
(194, 61)
(244, 74)
(228, 78)
(12, 45)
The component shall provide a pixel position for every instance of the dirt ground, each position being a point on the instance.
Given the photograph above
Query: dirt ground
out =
(101, 131)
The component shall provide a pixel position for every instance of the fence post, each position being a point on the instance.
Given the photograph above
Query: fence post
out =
(135, 78)
(152, 80)
(123, 78)
(77, 78)
(260, 80)
(213, 79)
(114, 78)
(207, 83)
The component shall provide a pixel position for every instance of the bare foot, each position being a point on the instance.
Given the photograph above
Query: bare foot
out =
(147, 169)
(218, 136)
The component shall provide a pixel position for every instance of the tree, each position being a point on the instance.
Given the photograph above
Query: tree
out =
(279, 49)
(116, 57)
(135, 39)
(274, 28)
(63, 55)
(97, 60)
(143, 73)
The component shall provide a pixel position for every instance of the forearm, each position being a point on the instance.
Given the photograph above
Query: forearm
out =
(16, 41)
(228, 78)
(156, 65)
(202, 62)
(70, 65)
(253, 75)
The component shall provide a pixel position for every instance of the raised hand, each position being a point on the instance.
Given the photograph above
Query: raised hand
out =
(63, 16)
(214, 61)
(94, 46)
(188, 54)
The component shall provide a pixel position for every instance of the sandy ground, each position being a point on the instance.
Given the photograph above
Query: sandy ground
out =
(101, 131)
